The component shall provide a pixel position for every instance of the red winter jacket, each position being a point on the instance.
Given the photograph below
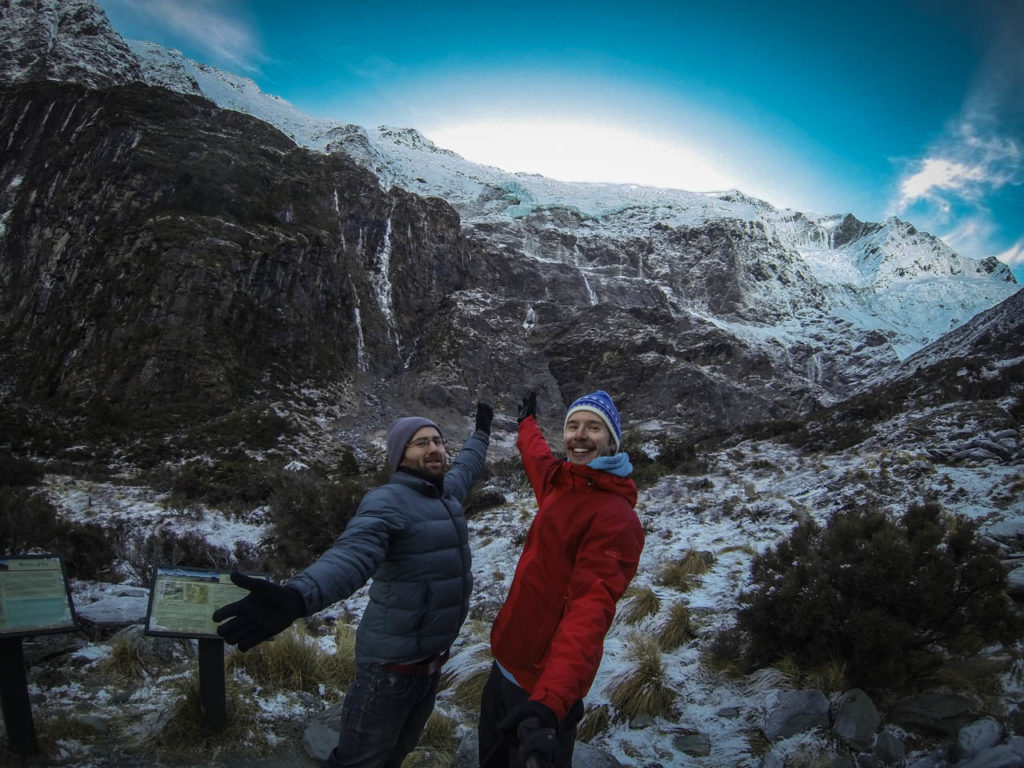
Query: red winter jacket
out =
(581, 552)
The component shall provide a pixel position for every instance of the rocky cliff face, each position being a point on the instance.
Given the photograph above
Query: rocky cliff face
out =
(159, 252)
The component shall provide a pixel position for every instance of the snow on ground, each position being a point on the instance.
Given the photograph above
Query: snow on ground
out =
(751, 496)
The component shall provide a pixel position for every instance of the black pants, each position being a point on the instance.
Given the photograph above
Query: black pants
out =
(499, 698)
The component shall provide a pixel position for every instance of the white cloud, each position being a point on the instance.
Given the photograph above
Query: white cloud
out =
(939, 174)
(203, 24)
(1014, 255)
(966, 179)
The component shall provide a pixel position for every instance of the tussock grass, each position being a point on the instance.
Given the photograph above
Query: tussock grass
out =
(344, 665)
(595, 722)
(976, 675)
(677, 630)
(681, 574)
(54, 734)
(829, 677)
(642, 690)
(641, 604)
(437, 744)
(790, 670)
(187, 729)
(127, 657)
(467, 682)
(294, 661)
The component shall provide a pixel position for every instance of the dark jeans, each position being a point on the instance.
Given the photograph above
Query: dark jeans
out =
(499, 698)
(382, 717)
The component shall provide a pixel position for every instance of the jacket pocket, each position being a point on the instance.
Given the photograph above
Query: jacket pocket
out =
(401, 605)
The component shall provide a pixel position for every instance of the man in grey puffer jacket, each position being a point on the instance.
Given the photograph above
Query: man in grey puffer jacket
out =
(410, 535)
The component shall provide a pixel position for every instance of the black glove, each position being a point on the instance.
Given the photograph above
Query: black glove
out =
(535, 727)
(484, 414)
(529, 407)
(265, 611)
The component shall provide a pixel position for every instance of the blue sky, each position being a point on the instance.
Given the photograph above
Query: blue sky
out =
(913, 108)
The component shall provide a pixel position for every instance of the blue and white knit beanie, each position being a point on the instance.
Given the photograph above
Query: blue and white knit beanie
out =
(400, 432)
(599, 402)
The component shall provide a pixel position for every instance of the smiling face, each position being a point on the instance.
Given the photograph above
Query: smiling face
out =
(425, 452)
(587, 437)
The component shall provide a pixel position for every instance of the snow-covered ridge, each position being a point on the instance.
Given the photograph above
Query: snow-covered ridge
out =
(404, 157)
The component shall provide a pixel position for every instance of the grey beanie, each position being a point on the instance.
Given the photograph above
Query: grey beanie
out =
(400, 432)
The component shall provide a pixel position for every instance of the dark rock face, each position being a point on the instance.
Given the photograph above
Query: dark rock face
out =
(159, 250)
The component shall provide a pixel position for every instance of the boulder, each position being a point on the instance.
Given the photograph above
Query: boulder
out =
(1015, 583)
(856, 719)
(318, 740)
(941, 714)
(889, 748)
(978, 736)
(999, 756)
(796, 712)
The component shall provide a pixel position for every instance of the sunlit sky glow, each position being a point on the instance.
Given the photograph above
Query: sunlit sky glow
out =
(912, 108)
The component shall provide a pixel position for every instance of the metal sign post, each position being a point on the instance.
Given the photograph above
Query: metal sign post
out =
(21, 729)
(211, 683)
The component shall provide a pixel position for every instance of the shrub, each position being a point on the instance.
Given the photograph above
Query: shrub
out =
(256, 426)
(308, 513)
(673, 456)
(482, 498)
(883, 597)
(140, 553)
(27, 520)
(29, 523)
(221, 483)
(18, 471)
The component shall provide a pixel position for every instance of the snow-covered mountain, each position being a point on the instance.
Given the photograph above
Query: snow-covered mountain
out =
(887, 278)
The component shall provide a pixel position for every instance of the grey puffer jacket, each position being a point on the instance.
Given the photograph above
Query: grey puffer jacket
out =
(414, 542)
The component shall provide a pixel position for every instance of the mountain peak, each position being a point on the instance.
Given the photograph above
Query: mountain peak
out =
(67, 41)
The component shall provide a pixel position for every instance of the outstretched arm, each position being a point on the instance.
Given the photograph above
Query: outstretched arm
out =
(469, 464)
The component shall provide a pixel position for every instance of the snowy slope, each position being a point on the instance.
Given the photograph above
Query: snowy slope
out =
(750, 496)
(877, 277)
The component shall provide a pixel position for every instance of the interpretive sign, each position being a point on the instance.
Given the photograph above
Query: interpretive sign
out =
(34, 596)
(182, 601)
(181, 604)
(34, 600)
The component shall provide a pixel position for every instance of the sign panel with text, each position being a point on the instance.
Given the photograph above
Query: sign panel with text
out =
(34, 596)
(182, 600)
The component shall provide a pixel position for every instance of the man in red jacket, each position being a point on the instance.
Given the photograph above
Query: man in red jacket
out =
(580, 554)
